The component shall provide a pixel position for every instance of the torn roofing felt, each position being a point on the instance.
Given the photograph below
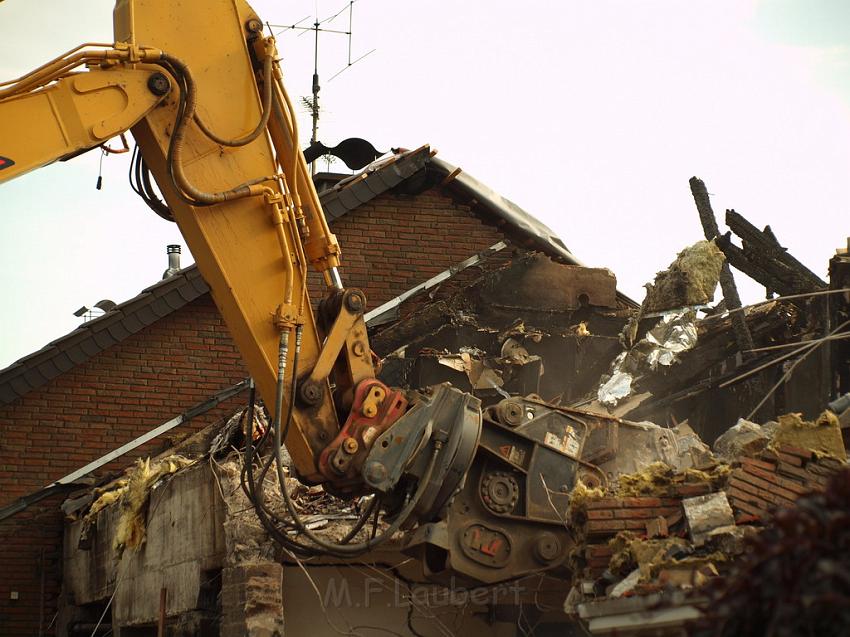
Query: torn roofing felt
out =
(389, 172)
(416, 170)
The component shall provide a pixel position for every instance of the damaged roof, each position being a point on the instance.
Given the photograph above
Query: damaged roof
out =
(387, 173)
(169, 295)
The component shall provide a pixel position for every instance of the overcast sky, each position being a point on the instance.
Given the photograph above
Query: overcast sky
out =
(590, 114)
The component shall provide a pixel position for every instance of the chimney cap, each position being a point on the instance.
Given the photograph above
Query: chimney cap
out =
(173, 252)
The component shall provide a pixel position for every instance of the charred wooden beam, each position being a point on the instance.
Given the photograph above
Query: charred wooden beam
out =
(766, 244)
(727, 282)
(789, 281)
(737, 259)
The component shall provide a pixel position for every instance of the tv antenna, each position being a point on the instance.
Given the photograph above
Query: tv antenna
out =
(317, 27)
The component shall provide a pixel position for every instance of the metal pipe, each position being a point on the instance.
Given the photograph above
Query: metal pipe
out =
(173, 252)
(301, 164)
(279, 221)
(336, 279)
(54, 61)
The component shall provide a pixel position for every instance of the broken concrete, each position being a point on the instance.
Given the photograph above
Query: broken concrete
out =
(744, 439)
(705, 514)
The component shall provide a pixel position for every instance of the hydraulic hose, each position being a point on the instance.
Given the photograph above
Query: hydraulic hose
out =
(175, 148)
(342, 550)
(264, 118)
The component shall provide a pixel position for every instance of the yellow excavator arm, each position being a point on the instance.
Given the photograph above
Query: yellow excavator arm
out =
(198, 85)
(237, 187)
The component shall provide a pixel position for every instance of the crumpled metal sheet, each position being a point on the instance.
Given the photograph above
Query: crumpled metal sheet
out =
(618, 386)
(675, 333)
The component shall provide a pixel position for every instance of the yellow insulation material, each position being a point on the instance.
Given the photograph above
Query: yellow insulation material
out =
(131, 525)
(660, 479)
(823, 436)
(690, 280)
(133, 493)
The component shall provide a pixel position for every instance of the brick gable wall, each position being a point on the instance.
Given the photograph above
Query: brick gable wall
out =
(396, 242)
(389, 245)
(111, 399)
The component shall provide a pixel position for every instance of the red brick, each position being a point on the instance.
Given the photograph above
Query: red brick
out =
(737, 496)
(644, 514)
(692, 490)
(795, 472)
(763, 484)
(783, 486)
(749, 510)
(743, 485)
(597, 563)
(665, 511)
(641, 502)
(805, 454)
(759, 464)
(599, 550)
(605, 526)
(604, 503)
(788, 458)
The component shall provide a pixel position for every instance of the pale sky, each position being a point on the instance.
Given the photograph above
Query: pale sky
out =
(590, 114)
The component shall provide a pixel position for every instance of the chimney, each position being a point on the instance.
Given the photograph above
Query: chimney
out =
(173, 252)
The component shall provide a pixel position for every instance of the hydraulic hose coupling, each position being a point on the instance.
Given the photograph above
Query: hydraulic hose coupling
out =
(282, 354)
(272, 198)
(133, 54)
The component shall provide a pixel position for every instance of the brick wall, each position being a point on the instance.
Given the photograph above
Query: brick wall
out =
(116, 396)
(395, 242)
(389, 245)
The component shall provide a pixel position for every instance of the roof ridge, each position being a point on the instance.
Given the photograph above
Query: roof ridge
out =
(89, 339)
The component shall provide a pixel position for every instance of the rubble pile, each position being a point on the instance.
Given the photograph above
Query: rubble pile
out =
(700, 435)
(778, 479)
(653, 384)
(217, 445)
(793, 577)
(661, 535)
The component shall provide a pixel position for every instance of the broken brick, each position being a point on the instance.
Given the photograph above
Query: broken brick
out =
(805, 454)
(657, 527)
(692, 490)
(760, 464)
(788, 458)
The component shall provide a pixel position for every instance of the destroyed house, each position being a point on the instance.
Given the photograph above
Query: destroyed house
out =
(654, 513)
(154, 357)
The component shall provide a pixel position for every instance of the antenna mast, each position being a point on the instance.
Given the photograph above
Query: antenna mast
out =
(316, 29)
